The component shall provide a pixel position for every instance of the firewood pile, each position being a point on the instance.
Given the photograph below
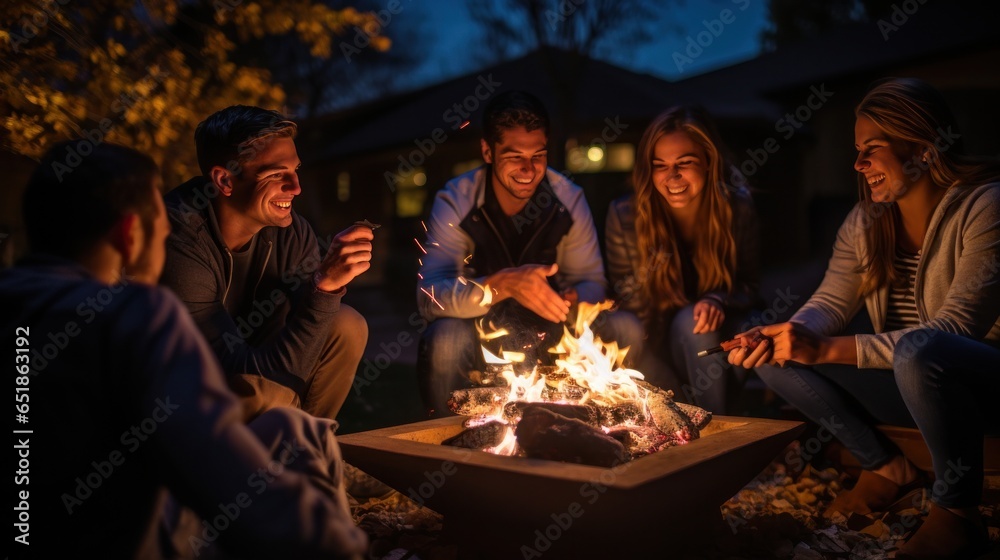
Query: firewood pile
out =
(567, 424)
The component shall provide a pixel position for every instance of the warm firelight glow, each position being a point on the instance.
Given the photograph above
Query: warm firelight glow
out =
(589, 370)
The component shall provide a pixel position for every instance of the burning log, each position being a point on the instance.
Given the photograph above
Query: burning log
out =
(477, 401)
(514, 410)
(544, 434)
(486, 435)
(699, 416)
(624, 413)
(667, 416)
(639, 440)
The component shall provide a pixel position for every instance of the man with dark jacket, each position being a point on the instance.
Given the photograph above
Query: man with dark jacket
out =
(250, 271)
(514, 243)
(121, 400)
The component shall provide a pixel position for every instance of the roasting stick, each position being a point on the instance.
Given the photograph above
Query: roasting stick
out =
(729, 345)
(724, 347)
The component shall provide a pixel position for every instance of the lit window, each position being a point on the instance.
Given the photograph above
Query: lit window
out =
(343, 186)
(410, 193)
(598, 158)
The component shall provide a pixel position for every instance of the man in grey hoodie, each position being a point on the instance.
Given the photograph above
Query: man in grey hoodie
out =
(250, 271)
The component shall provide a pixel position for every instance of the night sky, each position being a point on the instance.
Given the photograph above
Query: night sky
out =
(737, 41)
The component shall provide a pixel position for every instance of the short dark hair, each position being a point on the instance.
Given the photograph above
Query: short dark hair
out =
(228, 137)
(73, 200)
(512, 109)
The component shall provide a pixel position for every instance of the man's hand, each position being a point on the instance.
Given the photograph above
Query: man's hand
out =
(708, 316)
(784, 342)
(349, 255)
(528, 285)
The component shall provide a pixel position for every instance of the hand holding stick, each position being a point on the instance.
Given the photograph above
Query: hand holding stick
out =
(732, 344)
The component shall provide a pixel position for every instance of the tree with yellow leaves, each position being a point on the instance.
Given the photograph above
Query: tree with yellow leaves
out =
(145, 73)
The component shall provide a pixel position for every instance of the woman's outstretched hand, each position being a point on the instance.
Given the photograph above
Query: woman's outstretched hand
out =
(778, 344)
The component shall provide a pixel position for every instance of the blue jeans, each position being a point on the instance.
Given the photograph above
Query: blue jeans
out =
(710, 382)
(849, 402)
(950, 385)
(450, 348)
(941, 385)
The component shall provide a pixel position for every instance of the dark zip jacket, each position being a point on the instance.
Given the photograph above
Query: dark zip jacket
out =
(283, 322)
(464, 245)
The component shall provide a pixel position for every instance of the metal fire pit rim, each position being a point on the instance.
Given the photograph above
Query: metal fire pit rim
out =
(627, 476)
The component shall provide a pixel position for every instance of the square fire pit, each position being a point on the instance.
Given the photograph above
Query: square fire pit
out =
(507, 507)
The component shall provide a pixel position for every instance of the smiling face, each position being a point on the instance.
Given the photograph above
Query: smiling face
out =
(881, 161)
(679, 169)
(263, 193)
(518, 161)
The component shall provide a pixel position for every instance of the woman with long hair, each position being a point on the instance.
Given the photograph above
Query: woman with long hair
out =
(682, 252)
(920, 251)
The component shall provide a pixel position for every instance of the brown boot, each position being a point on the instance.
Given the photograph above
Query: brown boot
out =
(945, 535)
(873, 492)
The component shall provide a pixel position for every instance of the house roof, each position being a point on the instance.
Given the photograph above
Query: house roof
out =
(754, 89)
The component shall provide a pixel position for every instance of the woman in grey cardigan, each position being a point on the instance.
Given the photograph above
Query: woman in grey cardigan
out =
(921, 251)
(682, 255)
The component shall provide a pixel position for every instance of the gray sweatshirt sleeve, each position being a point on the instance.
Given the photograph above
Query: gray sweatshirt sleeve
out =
(444, 288)
(972, 303)
(838, 297)
(208, 457)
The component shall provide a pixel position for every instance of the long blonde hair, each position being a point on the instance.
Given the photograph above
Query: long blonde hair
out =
(915, 114)
(714, 255)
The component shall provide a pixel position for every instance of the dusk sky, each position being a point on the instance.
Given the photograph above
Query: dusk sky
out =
(737, 41)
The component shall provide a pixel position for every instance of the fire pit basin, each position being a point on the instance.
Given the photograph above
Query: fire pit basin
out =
(506, 506)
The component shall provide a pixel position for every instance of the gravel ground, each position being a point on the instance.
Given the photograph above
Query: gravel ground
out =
(775, 516)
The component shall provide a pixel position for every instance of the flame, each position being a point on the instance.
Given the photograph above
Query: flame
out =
(495, 333)
(587, 367)
(507, 446)
(492, 358)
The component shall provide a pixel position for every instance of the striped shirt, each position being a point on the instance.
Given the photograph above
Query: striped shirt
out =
(902, 311)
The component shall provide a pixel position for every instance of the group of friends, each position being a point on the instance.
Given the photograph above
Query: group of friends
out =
(204, 352)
